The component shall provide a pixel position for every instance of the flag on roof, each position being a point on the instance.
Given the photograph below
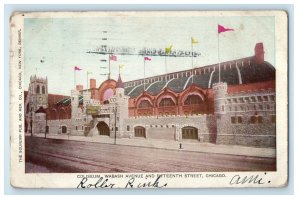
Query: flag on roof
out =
(77, 68)
(147, 59)
(168, 49)
(223, 29)
(194, 41)
(113, 57)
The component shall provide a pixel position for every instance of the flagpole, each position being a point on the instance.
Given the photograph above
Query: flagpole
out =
(87, 80)
(219, 58)
(166, 63)
(109, 66)
(144, 72)
(74, 78)
(192, 60)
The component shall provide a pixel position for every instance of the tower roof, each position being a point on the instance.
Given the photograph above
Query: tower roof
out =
(120, 84)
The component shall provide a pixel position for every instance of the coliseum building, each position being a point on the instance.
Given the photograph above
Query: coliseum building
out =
(180, 106)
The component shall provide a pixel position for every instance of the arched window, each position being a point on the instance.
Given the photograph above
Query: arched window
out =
(145, 104)
(43, 89)
(107, 94)
(38, 89)
(166, 102)
(193, 99)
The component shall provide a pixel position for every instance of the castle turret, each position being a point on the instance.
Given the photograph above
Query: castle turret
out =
(74, 103)
(120, 87)
(220, 93)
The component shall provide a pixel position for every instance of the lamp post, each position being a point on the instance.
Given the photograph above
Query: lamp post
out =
(115, 110)
(31, 123)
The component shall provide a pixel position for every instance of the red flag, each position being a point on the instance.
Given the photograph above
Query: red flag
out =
(113, 57)
(223, 29)
(147, 59)
(77, 68)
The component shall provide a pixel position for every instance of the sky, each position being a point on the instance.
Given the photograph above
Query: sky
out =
(53, 46)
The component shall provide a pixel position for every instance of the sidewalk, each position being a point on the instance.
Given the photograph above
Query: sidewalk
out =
(194, 146)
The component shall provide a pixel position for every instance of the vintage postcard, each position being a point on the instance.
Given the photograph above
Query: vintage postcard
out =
(149, 99)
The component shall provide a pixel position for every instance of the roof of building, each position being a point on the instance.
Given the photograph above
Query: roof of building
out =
(242, 71)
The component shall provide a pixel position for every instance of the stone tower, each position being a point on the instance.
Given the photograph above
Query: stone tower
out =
(120, 101)
(38, 92)
(220, 93)
(37, 97)
(74, 103)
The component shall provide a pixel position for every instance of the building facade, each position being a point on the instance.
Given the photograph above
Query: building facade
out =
(227, 103)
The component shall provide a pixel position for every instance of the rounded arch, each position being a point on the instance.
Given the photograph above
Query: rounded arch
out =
(145, 99)
(109, 85)
(64, 129)
(139, 131)
(192, 91)
(189, 132)
(192, 99)
(166, 94)
(103, 128)
(107, 94)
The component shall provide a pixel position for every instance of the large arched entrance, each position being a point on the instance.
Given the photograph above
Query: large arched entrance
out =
(139, 131)
(64, 129)
(189, 132)
(103, 128)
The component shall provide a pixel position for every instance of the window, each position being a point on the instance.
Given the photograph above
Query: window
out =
(236, 119)
(273, 118)
(76, 128)
(253, 99)
(259, 119)
(116, 128)
(239, 118)
(43, 89)
(265, 98)
(166, 102)
(259, 98)
(38, 89)
(145, 104)
(253, 119)
(256, 119)
(193, 99)
(233, 120)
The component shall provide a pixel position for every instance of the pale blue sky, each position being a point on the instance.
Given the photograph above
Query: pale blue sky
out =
(62, 43)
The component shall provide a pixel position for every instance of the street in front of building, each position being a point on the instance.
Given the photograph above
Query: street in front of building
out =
(62, 155)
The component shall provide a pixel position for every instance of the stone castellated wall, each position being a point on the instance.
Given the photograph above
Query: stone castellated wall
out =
(250, 120)
(66, 127)
(169, 127)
